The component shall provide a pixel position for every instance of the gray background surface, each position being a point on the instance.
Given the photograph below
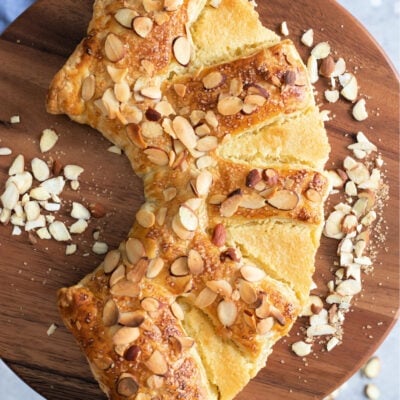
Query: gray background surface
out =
(382, 20)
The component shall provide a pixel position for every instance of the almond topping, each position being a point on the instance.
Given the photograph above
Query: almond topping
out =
(111, 261)
(132, 319)
(182, 50)
(313, 195)
(180, 267)
(114, 48)
(207, 143)
(110, 313)
(157, 363)
(247, 292)
(284, 199)
(184, 132)
(127, 385)
(134, 250)
(142, 26)
(155, 267)
(88, 88)
(231, 205)
(195, 262)
(220, 287)
(203, 183)
(188, 218)
(145, 218)
(125, 335)
(227, 312)
(150, 304)
(177, 311)
(252, 274)
(172, 5)
(213, 80)
(180, 231)
(265, 325)
(229, 105)
(125, 288)
(124, 16)
(205, 298)
(157, 156)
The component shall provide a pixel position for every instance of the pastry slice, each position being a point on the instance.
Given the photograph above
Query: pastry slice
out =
(222, 127)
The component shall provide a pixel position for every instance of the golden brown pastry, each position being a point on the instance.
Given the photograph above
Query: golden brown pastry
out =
(221, 125)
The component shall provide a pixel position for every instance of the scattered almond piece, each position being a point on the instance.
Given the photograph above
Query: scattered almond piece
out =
(359, 111)
(48, 140)
(284, 29)
(308, 38)
(70, 249)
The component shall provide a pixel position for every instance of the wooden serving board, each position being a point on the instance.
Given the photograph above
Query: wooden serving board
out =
(31, 51)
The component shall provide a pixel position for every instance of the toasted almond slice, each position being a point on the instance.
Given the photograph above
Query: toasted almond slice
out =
(207, 143)
(172, 5)
(177, 311)
(205, 298)
(203, 183)
(182, 50)
(195, 262)
(229, 105)
(155, 267)
(157, 156)
(213, 80)
(157, 363)
(127, 385)
(125, 335)
(230, 205)
(180, 267)
(125, 16)
(180, 231)
(125, 288)
(265, 325)
(145, 218)
(247, 291)
(150, 304)
(132, 319)
(252, 274)
(188, 218)
(134, 250)
(284, 199)
(114, 48)
(221, 287)
(122, 91)
(227, 312)
(110, 313)
(48, 140)
(184, 132)
(88, 88)
(111, 261)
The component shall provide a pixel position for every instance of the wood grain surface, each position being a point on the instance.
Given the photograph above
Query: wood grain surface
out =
(31, 51)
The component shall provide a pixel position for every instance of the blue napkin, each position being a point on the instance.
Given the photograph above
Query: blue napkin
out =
(11, 9)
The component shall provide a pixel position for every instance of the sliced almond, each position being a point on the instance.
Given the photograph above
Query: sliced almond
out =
(139, 270)
(312, 68)
(227, 312)
(88, 88)
(205, 298)
(142, 26)
(184, 132)
(333, 224)
(48, 140)
(349, 287)
(182, 50)
(150, 304)
(157, 363)
(125, 288)
(157, 156)
(125, 335)
(221, 287)
(110, 313)
(17, 166)
(252, 274)
(180, 267)
(180, 231)
(111, 261)
(124, 16)
(248, 293)
(127, 385)
(172, 5)
(10, 196)
(188, 218)
(284, 199)
(145, 218)
(229, 105)
(207, 143)
(114, 48)
(265, 325)
(177, 311)
(132, 319)
(230, 205)
(358, 174)
(203, 183)
(195, 262)
(134, 250)
(155, 267)
(264, 310)
(213, 80)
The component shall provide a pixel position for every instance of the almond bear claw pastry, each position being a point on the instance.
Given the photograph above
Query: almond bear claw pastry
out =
(217, 117)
